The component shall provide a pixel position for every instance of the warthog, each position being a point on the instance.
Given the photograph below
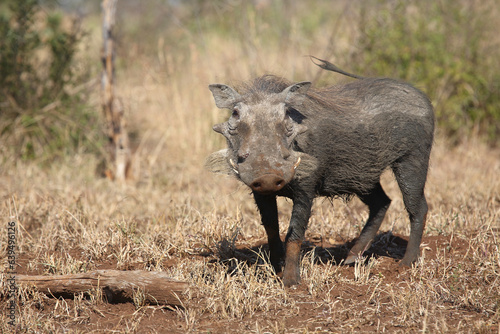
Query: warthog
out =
(293, 140)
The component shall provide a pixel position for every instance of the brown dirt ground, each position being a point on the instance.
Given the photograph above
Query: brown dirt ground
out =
(311, 313)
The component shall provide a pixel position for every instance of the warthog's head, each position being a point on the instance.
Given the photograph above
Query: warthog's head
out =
(260, 134)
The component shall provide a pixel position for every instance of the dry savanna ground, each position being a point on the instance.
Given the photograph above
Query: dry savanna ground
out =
(204, 229)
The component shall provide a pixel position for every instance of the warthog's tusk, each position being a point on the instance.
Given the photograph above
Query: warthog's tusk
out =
(296, 164)
(235, 168)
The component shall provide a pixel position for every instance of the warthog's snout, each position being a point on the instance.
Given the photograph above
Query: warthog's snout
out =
(273, 180)
(268, 183)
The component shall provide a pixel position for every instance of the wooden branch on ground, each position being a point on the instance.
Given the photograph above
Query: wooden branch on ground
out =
(153, 287)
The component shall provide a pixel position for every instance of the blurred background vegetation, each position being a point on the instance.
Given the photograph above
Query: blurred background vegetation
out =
(50, 65)
(43, 109)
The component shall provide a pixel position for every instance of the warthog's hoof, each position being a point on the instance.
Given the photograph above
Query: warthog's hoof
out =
(290, 281)
(407, 262)
(351, 259)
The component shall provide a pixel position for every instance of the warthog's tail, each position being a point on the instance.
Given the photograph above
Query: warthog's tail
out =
(326, 65)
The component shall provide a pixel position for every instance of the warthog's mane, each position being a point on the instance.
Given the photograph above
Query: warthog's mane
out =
(260, 88)
(318, 99)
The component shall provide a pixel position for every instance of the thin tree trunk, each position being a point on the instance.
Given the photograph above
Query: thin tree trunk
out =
(119, 149)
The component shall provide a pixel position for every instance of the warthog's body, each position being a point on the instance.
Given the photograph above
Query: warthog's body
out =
(292, 140)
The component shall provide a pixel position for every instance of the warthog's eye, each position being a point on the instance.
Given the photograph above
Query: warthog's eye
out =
(288, 124)
(233, 122)
(295, 115)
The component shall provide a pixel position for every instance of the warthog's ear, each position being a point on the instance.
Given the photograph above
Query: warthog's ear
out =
(296, 92)
(224, 96)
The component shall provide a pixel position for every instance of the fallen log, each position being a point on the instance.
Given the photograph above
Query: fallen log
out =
(152, 287)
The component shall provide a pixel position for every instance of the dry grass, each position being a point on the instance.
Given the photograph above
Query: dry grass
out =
(205, 229)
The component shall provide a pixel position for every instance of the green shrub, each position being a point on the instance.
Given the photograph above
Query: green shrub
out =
(443, 48)
(42, 109)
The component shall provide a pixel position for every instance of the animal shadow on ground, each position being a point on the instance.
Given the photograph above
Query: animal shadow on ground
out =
(232, 256)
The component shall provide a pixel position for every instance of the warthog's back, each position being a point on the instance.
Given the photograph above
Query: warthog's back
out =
(359, 129)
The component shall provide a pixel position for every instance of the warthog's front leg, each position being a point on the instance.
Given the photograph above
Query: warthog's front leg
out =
(269, 215)
(301, 213)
